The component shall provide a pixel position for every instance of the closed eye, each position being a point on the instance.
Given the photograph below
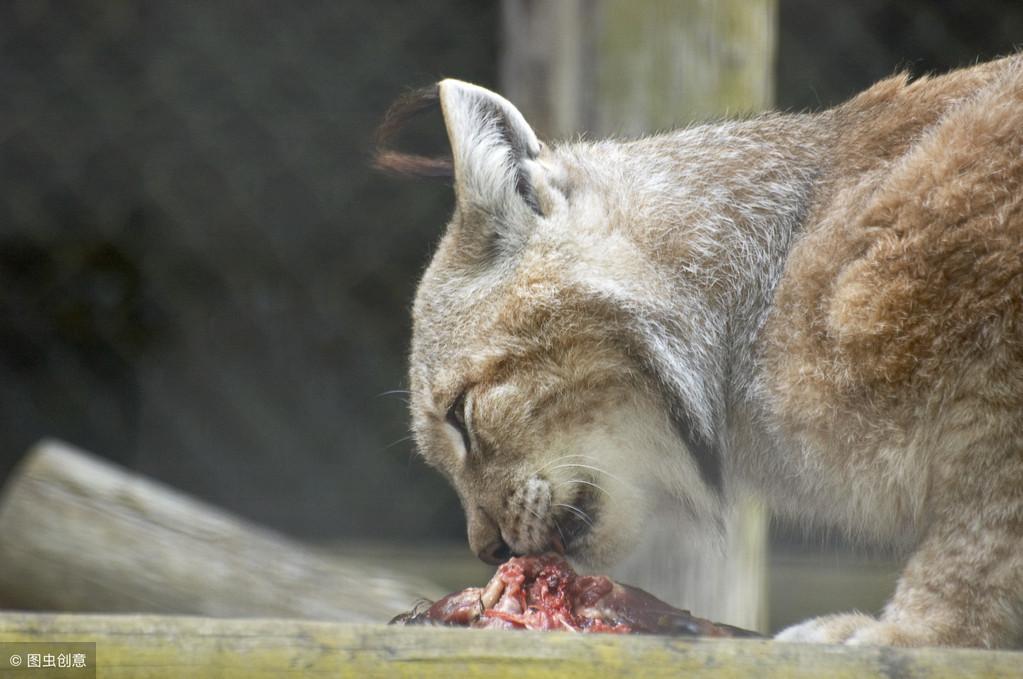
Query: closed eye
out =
(456, 418)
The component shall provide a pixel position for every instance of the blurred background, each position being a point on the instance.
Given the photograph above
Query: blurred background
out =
(202, 279)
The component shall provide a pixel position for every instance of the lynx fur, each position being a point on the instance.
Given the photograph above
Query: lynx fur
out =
(825, 310)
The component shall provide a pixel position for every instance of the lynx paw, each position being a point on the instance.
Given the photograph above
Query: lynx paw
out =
(890, 634)
(856, 629)
(829, 629)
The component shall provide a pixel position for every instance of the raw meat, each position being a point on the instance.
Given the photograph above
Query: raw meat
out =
(545, 593)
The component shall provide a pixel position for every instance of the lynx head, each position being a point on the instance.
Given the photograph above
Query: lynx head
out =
(534, 387)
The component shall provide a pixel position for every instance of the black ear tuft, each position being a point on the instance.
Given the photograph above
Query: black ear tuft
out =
(398, 115)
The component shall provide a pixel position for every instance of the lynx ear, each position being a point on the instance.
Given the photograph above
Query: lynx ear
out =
(492, 147)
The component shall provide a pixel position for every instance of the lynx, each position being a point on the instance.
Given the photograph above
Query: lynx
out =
(824, 310)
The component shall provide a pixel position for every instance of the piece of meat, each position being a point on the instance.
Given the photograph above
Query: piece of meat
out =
(545, 593)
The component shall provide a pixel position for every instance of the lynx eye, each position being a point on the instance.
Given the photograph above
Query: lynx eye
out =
(456, 418)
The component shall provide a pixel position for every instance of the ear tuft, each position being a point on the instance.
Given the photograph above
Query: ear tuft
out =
(403, 110)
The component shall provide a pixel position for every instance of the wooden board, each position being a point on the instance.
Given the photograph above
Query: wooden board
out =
(153, 647)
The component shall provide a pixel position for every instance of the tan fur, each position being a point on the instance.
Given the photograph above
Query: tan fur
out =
(826, 310)
(894, 352)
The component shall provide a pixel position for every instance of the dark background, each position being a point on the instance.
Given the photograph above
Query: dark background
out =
(201, 278)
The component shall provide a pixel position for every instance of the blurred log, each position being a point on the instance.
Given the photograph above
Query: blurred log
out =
(153, 647)
(619, 67)
(80, 534)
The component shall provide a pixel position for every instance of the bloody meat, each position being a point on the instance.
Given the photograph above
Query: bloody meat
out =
(545, 593)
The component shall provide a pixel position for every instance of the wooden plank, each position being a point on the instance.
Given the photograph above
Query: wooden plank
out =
(154, 647)
(80, 534)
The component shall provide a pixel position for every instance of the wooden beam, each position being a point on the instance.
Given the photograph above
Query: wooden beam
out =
(154, 647)
(81, 534)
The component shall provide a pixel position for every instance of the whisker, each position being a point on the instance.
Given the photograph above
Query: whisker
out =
(406, 392)
(547, 464)
(578, 512)
(591, 467)
(398, 394)
(560, 532)
(411, 456)
(585, 483)
(401, 440)
(541, 519)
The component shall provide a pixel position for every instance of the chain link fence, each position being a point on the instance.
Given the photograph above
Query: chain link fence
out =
(201, 278)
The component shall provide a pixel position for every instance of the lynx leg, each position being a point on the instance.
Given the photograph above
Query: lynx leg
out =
(963, 586)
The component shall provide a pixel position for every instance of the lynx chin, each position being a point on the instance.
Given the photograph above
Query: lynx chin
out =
(824, 310)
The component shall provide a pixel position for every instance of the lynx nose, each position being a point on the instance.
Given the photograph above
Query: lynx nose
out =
(485, 538)
(495, 553)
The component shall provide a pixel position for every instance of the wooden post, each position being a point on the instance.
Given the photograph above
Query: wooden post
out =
(627, 68)
(80, 534)
(631, 67)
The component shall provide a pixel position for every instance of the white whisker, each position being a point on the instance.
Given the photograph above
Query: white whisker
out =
(394, 443)
(578, 512)
(398, 394)
(392, 392)
(547, 464)
(591, 467)
(585, 483)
